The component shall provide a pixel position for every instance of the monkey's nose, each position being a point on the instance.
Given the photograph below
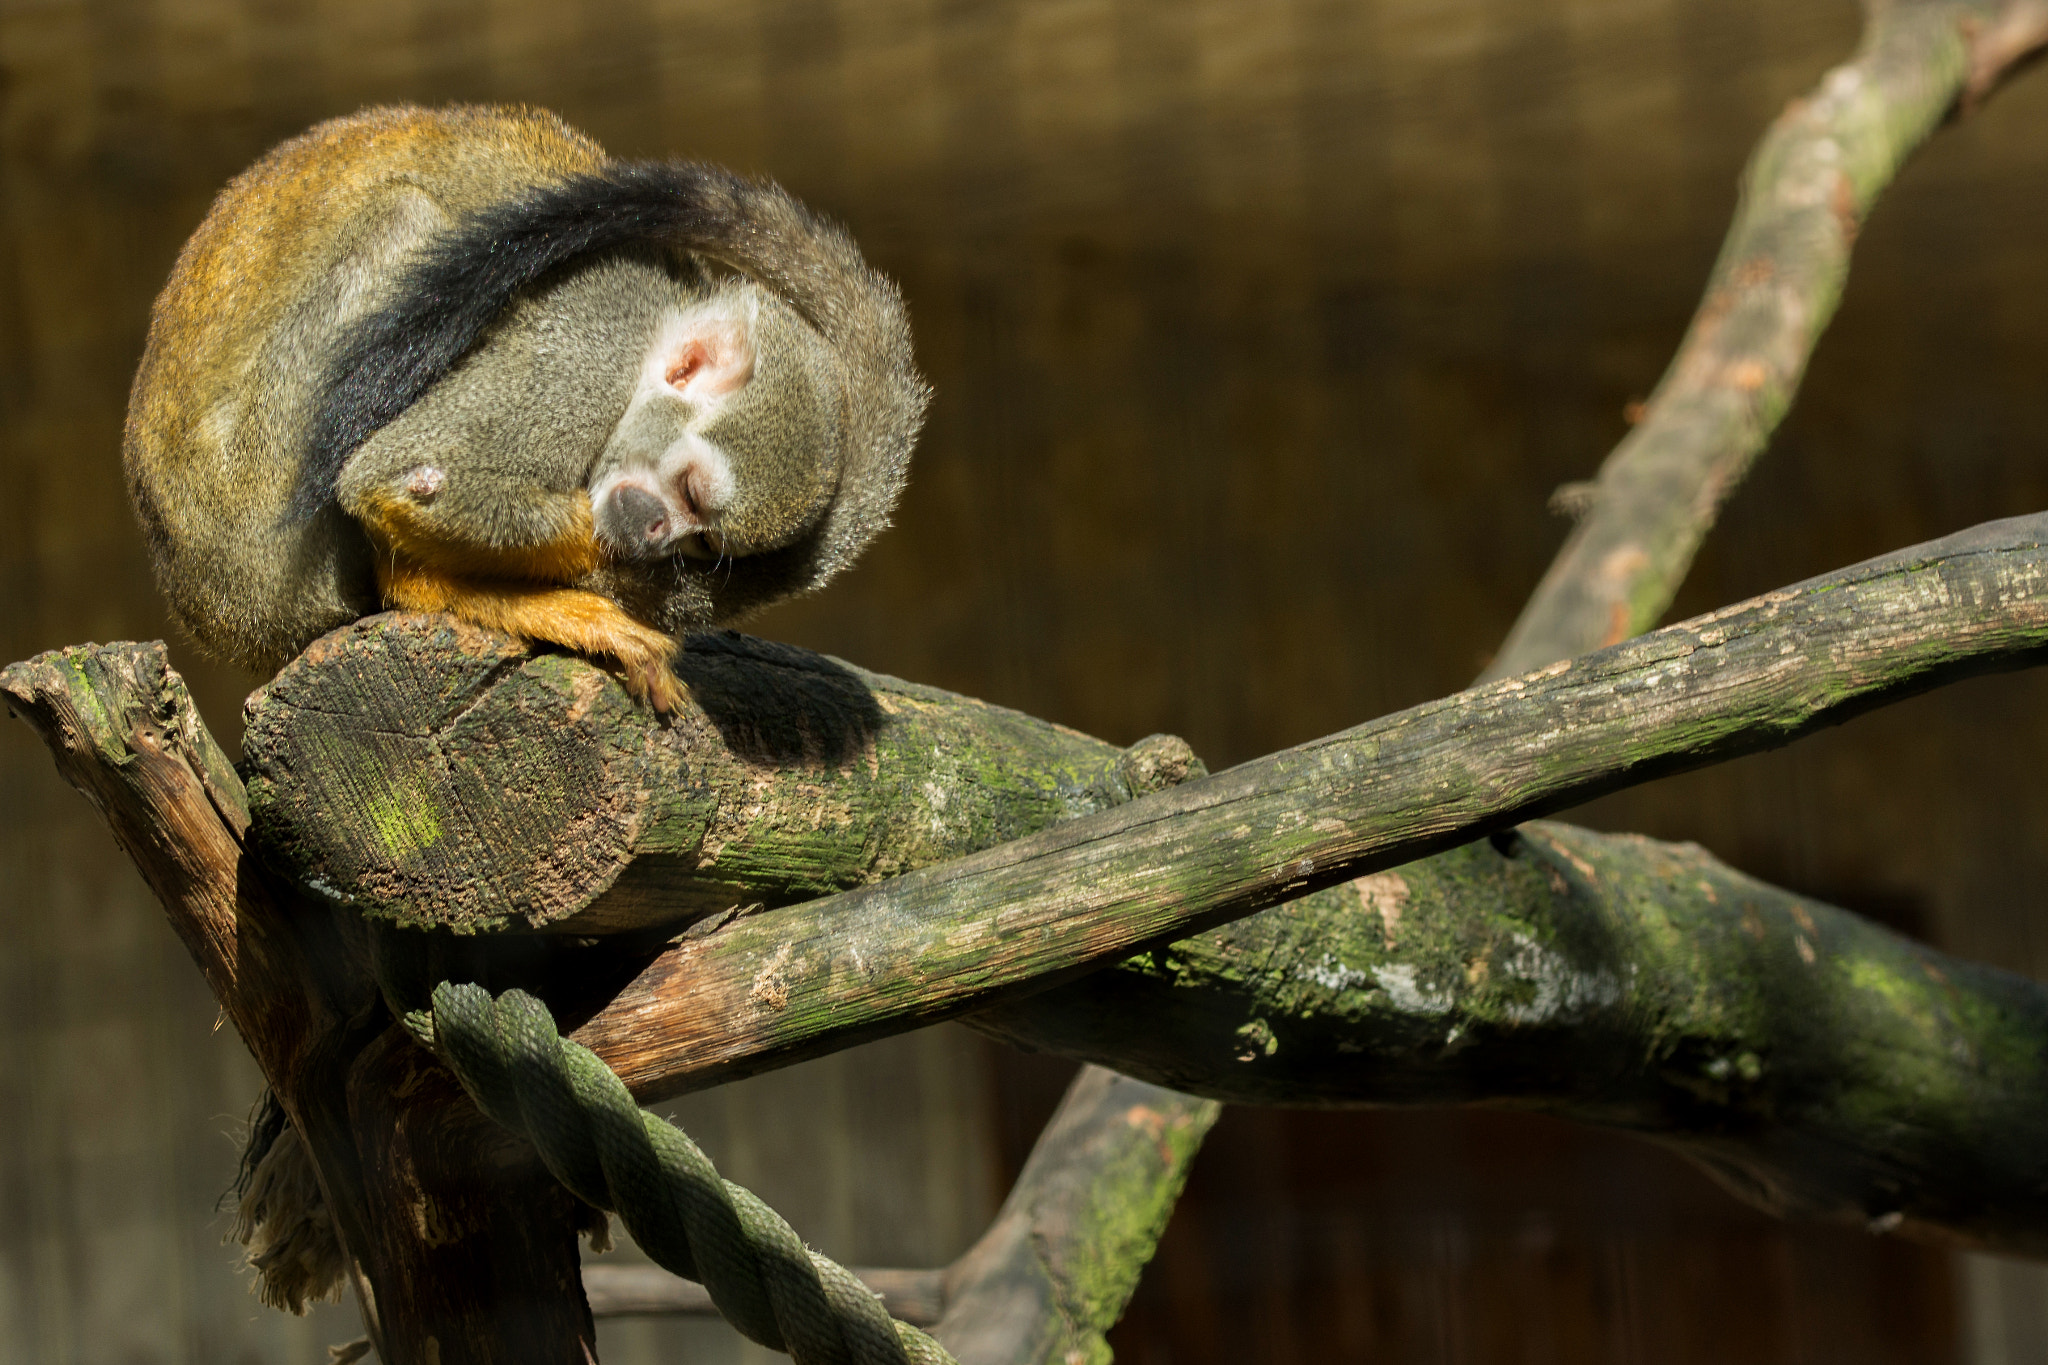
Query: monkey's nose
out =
(634, 520)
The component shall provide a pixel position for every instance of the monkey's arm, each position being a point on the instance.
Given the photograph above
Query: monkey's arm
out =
(479, 523)
(506, 558)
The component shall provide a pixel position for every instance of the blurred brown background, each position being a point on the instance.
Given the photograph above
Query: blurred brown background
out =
(1261, 330)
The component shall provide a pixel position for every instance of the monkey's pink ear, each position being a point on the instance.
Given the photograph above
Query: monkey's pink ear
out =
(708, 357)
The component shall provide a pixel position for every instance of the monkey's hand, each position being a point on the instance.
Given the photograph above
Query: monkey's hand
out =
(520, 589)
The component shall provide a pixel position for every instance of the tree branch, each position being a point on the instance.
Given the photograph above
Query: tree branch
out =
(1818, 1064)
(1052, 1274)
(1812, 180)
(740, 992)
(917, 1297)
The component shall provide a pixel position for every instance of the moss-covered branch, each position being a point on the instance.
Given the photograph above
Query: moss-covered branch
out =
(461, 1252)
(1810, 183)
(1817, 1063)
(1053, 1273)
(434, 776)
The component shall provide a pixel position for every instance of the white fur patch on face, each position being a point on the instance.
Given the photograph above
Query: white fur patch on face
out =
(698, 358)
(699, 473)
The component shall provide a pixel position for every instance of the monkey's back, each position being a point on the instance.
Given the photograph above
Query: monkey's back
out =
(295, 248)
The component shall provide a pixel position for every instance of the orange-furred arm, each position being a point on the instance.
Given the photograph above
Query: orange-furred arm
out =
(519, 589)
(565, 552)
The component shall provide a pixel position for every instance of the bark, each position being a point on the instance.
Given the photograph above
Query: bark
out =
(1810, 183)
(460, 1248)
(746, 989)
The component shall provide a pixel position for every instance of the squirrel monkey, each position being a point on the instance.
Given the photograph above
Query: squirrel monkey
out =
(457, 360)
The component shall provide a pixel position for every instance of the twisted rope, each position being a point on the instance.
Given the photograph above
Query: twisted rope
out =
(613, 1155)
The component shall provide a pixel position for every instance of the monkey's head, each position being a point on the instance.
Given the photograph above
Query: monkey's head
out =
(731, 444)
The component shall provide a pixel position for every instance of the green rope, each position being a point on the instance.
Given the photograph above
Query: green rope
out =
(612, 1154)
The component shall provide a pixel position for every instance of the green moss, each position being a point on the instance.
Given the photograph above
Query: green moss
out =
(1883, 979)
(1126, 1214)
(109, 739)
(405, 823)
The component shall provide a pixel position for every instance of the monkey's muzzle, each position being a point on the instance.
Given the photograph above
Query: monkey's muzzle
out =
(634, 522)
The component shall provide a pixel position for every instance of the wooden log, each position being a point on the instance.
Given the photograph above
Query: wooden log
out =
(435, 776)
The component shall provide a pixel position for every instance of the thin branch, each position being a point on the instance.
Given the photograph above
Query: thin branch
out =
(917, 1297)
(124, 733)
(1812, 180)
